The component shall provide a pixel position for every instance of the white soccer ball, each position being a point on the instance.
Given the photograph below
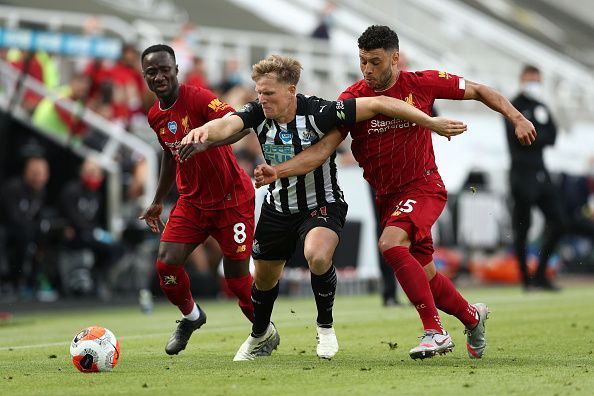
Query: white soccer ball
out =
(94, 349)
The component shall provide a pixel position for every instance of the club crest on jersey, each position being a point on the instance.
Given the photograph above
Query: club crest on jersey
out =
(309, 136)
(410, 100)
(286, 136)
(186, 124)
(172, 126)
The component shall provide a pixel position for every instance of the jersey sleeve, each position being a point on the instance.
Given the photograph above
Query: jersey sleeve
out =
(443, 85)
(251, 114)
(207, 104)
(344, 129)
(153, 124)
(331, 114)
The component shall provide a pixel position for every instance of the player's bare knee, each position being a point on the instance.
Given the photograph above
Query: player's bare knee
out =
(265, 282)
(430, 270)
(317, 259)
(319, 264)
(168, 257)
(388, 243)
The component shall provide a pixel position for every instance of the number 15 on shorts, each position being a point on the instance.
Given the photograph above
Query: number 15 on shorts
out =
(404, 207)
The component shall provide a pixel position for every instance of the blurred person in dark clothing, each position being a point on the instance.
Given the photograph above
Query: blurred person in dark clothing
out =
(530, 182)
(80, 203)
(231, 75)
(325, 22)
(22, 200)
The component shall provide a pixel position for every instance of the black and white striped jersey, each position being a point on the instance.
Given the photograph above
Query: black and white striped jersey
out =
(280, 142)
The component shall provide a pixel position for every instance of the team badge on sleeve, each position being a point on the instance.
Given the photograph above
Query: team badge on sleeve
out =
(246, 108)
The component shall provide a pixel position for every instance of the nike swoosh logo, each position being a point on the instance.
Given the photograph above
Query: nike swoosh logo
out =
(441, 343)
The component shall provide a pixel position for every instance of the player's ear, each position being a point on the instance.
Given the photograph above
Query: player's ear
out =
(293, 90)
(395, 58)
(176, 69)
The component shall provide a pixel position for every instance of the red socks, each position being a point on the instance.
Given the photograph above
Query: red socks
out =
(412, 278)
(450, 301)
(175, 284)
(242, 288)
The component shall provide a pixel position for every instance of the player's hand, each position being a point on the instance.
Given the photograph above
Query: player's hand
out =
(447, 128)
(194, 142)
(152, 217)
(525, 132)
(264, 174)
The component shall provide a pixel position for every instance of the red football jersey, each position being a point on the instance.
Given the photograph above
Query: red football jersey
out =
(395, 152)
(210, 179)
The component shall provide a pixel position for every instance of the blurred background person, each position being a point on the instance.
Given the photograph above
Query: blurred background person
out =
(231, 75)
(22, 201)
(325, 22)
(530, 182)
(81, 205)
(54, 117)
(196, 75)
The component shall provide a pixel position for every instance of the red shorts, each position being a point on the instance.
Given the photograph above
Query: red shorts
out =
(415, 211)
(233, 228)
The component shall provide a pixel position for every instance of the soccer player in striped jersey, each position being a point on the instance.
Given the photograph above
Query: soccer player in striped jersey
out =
(398, 162)
(311, 206)
(211, 201)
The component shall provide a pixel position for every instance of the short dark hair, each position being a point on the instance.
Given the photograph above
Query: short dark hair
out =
(530, 69)
(378, 36)
(158, 48)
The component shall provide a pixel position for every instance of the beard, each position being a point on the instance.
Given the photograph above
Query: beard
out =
(384, 80)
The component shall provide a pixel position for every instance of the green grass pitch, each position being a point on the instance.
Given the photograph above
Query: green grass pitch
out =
(538, 344)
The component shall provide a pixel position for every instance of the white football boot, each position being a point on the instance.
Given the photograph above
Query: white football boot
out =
(327, 343)
(258, 346)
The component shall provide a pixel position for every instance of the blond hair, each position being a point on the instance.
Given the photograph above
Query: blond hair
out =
(286, 69)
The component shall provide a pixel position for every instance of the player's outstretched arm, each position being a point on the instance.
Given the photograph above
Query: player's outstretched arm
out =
(217, 130)
(396, 108)
(302, 163)
(525, 132)
(199, 147)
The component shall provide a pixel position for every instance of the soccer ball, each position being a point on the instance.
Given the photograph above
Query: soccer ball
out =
(94, 349)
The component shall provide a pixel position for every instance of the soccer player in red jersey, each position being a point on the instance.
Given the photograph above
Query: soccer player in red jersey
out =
(310, 207)
(398, 162)
(216, 197)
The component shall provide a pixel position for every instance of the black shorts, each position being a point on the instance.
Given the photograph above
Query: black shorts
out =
(276, 233)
